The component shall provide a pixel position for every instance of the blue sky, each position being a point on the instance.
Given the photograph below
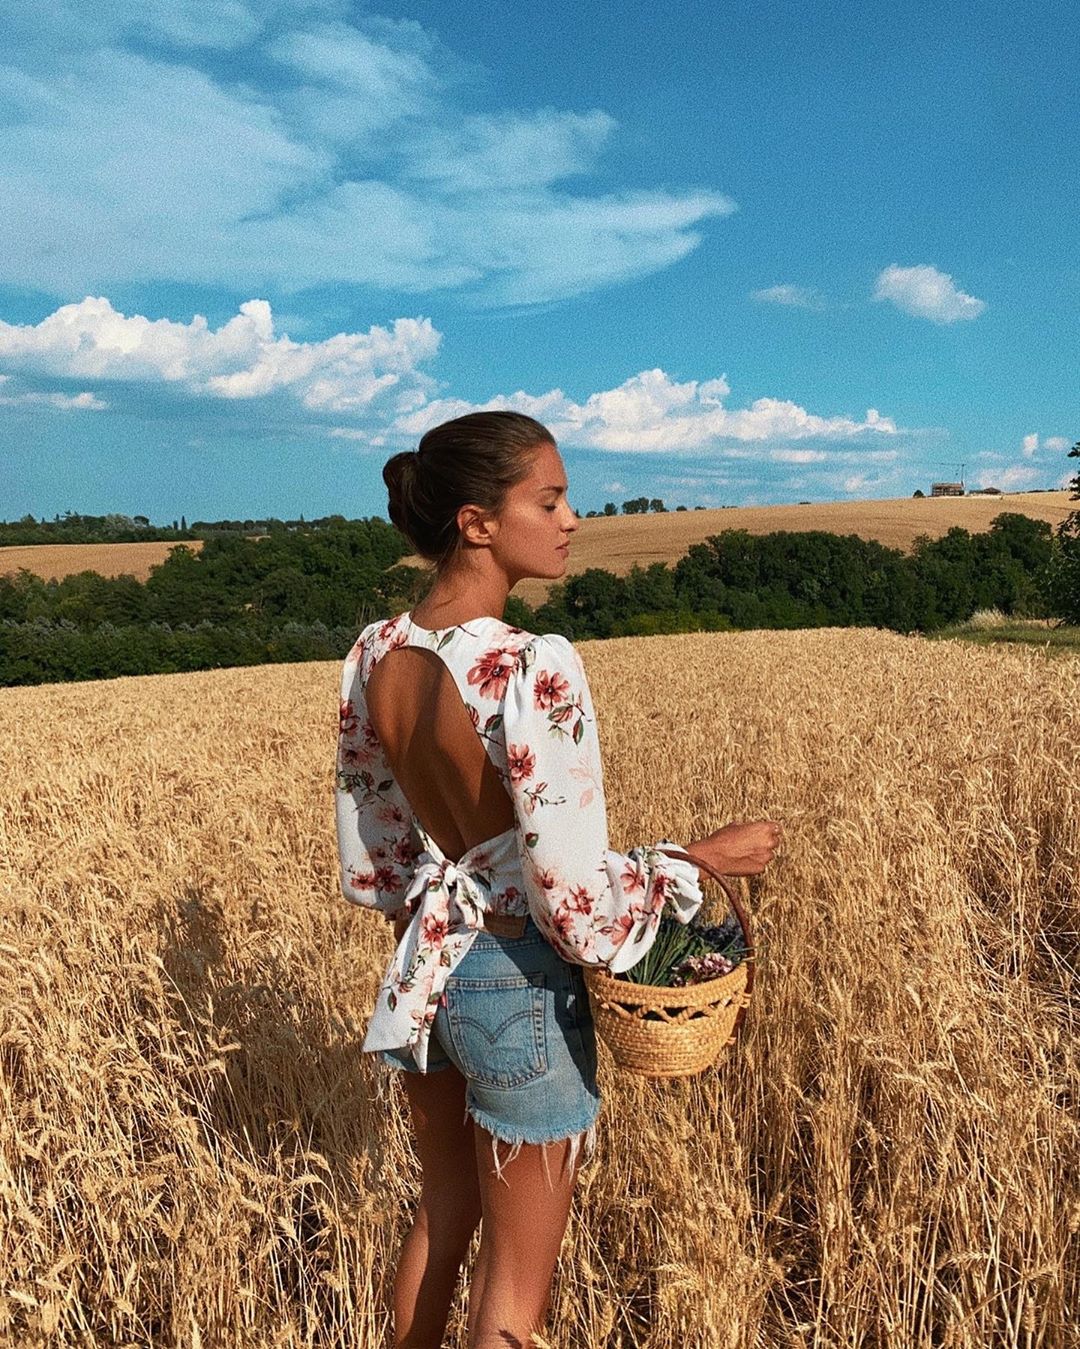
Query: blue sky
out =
(763, 253)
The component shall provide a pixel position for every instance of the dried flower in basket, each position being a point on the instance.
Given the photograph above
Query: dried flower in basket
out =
(689, 953)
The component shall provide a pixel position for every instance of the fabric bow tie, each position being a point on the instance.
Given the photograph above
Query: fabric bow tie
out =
(447, 905)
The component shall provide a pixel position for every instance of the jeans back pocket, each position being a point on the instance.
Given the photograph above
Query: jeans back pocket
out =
(497, 1027)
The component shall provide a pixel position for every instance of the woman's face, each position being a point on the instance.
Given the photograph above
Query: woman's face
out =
(536, 521)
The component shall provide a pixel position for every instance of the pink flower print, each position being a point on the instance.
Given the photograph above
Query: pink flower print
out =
(370, 738)
(561, 714)
(546, 879)
(390, 814)
(388, 879)
(362, 880)
(579, 900)
(385, 629)
(347, 718)
(521, 761)
(550, 689)
(474, 714)
(563, 924)
(633, 877)
(435, 931)
(660, 886)
(353, 756)
(492, 672)
(404, 854)
(620, 929)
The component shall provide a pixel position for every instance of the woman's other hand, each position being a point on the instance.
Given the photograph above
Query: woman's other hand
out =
(744, 848)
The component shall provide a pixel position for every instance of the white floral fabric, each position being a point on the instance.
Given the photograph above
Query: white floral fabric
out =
(528, 697)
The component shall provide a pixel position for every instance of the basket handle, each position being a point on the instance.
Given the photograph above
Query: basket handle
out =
(744, 922)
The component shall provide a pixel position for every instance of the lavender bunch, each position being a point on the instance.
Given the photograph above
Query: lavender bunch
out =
(688, 953)
(696, 969)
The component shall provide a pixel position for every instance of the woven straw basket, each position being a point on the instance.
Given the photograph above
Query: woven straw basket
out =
(674, 1032)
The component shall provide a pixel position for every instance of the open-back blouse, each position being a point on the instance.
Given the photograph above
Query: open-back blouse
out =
(528, 698)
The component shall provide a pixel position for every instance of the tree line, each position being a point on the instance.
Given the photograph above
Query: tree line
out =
(71, 527)
(305, 594)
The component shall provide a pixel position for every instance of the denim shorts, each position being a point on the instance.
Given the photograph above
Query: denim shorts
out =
(518, 1027)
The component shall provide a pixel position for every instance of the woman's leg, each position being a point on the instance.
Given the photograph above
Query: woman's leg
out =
(448, 1211)
(524, 1218)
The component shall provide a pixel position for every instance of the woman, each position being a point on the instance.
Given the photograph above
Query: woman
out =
(470, 811)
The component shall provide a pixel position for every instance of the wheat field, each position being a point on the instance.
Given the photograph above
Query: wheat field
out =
(194, 1152)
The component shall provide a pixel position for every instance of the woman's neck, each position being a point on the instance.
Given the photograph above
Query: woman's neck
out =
(456, 600)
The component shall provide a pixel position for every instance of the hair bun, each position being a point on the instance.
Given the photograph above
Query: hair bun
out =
(473, 459)
(400, 473)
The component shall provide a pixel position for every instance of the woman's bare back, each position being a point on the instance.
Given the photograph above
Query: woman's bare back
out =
(434, 751)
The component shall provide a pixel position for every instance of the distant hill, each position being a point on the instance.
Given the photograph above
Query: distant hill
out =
(616, 542)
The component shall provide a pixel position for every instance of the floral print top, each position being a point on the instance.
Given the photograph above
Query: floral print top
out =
(528, 698)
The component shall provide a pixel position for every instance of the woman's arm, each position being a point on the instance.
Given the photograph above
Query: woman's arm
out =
(595, 905)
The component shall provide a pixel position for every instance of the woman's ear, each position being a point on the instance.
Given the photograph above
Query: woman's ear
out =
(477, 525)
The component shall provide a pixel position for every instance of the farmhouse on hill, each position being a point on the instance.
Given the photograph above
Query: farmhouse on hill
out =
(946, 489)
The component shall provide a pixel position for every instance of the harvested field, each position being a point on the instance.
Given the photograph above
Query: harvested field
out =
(54, 561)
(193, 1151)
(617, 542)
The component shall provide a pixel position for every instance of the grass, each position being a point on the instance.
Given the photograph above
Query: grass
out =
(988, 627)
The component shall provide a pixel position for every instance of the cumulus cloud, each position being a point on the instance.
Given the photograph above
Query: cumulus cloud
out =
(926, 293)
(243, 359)
(1012, 479)
(326, 149)
(1031, 444)
(794, 297)
(372, 388)
(650, 412)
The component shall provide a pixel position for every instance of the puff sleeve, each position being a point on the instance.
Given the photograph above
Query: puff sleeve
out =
(377, 846)
(594, 905)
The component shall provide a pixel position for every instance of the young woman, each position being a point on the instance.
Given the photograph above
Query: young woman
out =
(470, 812)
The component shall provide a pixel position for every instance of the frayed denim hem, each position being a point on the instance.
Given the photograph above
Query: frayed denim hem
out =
(583, 1142)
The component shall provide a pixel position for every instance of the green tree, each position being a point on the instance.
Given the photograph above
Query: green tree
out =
(1063, 574)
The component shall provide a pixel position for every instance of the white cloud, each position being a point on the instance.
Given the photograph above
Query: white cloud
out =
(1012, 479)
(798, 456)
(243, 359)
(795, 297)
(371, 387)
(651, 413)
(926, 293)
(62, 402)
(327, 151)
(1031, 444)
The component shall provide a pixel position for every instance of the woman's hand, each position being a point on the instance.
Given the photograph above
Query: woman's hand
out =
(744, 848)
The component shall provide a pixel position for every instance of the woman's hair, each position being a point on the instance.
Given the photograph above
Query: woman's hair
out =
(471, 460)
